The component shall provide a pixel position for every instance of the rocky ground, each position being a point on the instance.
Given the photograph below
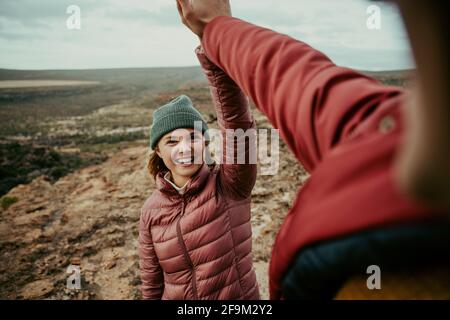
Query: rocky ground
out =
(90, 218)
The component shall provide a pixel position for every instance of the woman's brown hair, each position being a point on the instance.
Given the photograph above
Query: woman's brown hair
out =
(155, 164)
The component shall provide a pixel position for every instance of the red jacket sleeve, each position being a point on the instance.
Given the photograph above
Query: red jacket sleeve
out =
(151, 274)
(238, 168)
(314, 103)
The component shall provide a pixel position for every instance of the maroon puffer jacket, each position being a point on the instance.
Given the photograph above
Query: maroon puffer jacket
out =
(198, 245)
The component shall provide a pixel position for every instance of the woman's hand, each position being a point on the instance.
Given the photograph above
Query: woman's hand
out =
(196, 14)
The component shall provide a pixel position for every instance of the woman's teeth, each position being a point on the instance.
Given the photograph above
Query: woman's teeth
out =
(184, 160)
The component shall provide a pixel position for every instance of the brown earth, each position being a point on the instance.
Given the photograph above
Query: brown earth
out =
(91, 217)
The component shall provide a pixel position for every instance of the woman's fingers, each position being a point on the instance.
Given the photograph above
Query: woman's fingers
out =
(196, 14)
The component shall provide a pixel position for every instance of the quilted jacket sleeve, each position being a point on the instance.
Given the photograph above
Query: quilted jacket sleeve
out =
(238, 161)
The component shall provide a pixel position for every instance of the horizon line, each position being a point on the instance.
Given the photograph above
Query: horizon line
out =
(179, 67)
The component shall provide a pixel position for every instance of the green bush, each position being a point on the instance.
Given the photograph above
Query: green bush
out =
(58, 172)
(6, 202)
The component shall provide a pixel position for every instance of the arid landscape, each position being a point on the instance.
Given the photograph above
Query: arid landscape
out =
(73, 151)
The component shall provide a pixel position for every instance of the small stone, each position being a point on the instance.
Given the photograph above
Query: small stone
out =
(35, 208)
(37, 289)
(110, 265)
(64, 218)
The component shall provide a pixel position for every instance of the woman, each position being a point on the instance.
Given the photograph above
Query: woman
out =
(195, 233)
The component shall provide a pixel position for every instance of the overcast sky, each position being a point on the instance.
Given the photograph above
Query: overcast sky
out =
(148, 33)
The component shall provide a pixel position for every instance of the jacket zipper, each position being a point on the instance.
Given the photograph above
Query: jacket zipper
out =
(186, 253)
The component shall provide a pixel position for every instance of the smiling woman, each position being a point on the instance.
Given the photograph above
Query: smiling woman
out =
(182, 149)
(195, 235)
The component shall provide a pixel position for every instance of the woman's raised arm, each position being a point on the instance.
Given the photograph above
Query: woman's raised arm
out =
(238, 167)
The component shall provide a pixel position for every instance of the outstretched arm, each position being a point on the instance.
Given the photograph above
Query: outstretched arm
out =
(238, 167)
(314, 103)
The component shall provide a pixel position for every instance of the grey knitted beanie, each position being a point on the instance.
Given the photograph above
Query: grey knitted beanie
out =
(178, 113)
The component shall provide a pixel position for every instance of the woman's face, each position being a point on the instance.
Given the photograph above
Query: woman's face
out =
(182, 151)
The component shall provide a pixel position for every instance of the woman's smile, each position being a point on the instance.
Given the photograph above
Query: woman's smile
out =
(186, 161)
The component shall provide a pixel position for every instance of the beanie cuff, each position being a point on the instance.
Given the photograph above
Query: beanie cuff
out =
(172, 122)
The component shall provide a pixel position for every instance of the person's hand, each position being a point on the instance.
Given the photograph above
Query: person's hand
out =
(196, 14)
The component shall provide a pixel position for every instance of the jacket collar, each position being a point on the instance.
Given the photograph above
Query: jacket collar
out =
(194, 185)
(168, 178)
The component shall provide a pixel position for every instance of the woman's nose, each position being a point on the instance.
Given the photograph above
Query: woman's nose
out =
(185, 146)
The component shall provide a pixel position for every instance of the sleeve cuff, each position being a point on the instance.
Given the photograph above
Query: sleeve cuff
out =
(208, 29)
